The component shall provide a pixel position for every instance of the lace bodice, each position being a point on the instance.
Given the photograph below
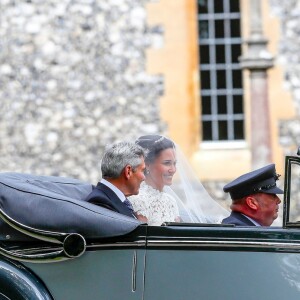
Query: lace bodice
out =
(156, 206)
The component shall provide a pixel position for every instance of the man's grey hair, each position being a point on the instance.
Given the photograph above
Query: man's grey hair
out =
(118, 156)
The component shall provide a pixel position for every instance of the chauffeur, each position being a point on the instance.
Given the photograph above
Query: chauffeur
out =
(254, 198)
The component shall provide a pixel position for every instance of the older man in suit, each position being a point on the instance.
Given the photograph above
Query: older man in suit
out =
(122, 169)
(254, 198)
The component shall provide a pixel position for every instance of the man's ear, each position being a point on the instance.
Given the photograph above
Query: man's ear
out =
(252, 202)
(127, 171)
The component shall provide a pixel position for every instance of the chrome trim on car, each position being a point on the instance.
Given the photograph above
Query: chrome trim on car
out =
(134, 270)
(72, 245)
(198, 243)
(226, 243)
(104, 245)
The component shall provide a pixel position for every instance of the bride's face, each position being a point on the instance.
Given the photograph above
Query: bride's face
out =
(162, 170)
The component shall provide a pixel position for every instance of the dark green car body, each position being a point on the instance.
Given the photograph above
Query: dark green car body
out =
(174, 261)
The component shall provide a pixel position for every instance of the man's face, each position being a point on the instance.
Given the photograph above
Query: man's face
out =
(268, 208)
(136, 178)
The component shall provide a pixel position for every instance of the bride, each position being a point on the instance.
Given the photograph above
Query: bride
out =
(170, 192)
(152, 204)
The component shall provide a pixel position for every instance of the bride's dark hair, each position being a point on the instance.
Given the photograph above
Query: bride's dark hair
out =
(154, 144)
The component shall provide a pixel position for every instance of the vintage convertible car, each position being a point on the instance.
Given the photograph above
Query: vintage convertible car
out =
(53, 245)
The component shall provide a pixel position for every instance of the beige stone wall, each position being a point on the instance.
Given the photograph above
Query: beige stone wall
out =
(177, 61)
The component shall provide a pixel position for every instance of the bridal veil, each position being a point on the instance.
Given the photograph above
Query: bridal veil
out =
(194, 203)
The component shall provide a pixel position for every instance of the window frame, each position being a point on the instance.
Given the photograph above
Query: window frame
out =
(210, 88)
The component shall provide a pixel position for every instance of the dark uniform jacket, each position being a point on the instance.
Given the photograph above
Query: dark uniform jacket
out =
(103, 196)
(238, 219)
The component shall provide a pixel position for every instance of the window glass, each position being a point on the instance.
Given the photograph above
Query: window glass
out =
(237, 78)
(222, 105)
(206, 105)
(238, 130)
(292, 189)
(235, 28)
(235, 53)
(205, 80)
(238, 104)
(219, 28)
(220, 54)
(203, 27)
(223, 133)
(207, 131)
(202, 6)
(204, 54)
(218, 6)
(221, 79)
(234, 6)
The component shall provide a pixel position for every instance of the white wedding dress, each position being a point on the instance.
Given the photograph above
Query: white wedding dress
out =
(158, 207)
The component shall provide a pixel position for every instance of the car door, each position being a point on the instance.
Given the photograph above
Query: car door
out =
(100, 274)
(109, 269)
(222, 263)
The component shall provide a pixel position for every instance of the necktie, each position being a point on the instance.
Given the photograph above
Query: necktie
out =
(129, 205)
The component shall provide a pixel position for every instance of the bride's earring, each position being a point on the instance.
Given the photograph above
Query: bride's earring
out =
(147, 172)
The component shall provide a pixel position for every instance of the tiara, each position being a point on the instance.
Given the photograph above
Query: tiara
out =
(159, 140)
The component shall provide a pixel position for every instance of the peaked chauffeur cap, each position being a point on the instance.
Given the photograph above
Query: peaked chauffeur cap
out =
(262, 180)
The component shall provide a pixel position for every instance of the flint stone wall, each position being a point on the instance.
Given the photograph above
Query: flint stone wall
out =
(289, 57)
(73, 79)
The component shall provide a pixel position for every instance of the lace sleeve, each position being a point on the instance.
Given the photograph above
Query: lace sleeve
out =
(157, 207)
(140, 205)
